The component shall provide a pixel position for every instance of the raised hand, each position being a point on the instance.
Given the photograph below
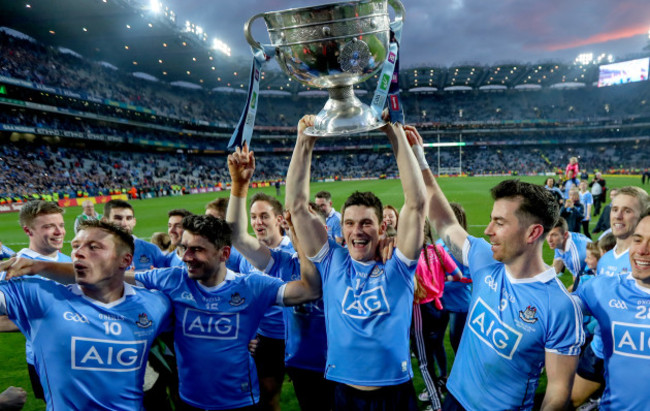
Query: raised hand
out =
(241, 165)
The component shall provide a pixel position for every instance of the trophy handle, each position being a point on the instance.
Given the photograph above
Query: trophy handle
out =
(256, 45)
(399, 10)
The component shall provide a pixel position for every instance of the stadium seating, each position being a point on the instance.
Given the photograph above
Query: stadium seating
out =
(77, 127)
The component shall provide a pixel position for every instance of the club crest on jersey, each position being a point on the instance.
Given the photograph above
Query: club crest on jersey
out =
(376, 272)
(144, 259)
(528, 315)
(236, 300)
(143, 321)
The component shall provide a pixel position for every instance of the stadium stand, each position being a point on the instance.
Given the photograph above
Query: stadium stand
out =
(75, 127)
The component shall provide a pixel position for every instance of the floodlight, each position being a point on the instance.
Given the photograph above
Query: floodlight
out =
(155, 6)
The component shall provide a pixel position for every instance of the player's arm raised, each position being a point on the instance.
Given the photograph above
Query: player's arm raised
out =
(60, 272)
(439, 211)
(309, 229)
(309, 286)
(18, 267)
(410, 232)
(241, 165)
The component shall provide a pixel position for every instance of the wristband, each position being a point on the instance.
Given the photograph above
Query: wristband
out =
(418, 150)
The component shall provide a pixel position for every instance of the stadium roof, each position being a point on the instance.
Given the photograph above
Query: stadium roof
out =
(129, 35)
(125, 33)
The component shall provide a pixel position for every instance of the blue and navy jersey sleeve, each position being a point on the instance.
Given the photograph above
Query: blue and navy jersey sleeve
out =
(6, 252)
(336, 228)
(587, 293)
(26, 298)
(235, 260)
(284, 265)
(565, 333)
(266, 288)
(477, 254)
(323, 260)
(163, 279)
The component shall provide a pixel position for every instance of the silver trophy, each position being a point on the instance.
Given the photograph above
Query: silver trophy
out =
(333, 46)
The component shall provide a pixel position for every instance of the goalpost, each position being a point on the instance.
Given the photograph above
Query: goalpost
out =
(458, 169)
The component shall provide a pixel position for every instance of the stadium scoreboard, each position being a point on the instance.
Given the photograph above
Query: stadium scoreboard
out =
(623, 72)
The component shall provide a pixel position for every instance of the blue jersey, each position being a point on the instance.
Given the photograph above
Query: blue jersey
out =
(147, 256)
(234, 261)
(33, 255)
(574, 253)
(612, 263)
(272, 325)
(212, 329)
(622, 309)
(511, 325)
(368, 308)
(587, 200)
(457, 295)
(333, 222)
(89, 355)
(6, 252)
(306, 340)
(174, 260)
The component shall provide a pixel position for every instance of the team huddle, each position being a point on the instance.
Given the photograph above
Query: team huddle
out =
(329, 299)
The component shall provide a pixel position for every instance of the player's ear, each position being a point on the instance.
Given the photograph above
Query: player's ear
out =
(27, 230)
(125, 260)
(534, 233)
(225, 253)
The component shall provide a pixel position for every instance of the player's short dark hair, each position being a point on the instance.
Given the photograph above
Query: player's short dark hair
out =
(214, 229)
(324, 194)
(110, 205)
(220, 205)
(123, 240)
(537, 203)
(366, 199)
(274, 202)
(607, 242)
(180, 212)
(561, 223)
(34, 208)
(460, 214)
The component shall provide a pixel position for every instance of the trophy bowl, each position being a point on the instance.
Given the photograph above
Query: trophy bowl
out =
(333, 46)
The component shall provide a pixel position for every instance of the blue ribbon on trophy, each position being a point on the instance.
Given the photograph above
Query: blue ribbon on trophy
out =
(244, 130)
(388, 84)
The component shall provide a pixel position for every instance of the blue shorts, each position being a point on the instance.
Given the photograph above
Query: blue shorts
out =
(590, 367)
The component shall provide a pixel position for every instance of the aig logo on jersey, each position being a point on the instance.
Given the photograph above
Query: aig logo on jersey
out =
(368, 304)
(106, 355)
(218, 326)
(487, 326)
(631, 340)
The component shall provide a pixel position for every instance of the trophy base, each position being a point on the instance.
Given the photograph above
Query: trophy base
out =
(343, 114)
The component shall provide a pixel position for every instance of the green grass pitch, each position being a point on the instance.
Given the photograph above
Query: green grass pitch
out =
(151, 215)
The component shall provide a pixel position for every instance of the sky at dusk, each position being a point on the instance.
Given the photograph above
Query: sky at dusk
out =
(452, 32)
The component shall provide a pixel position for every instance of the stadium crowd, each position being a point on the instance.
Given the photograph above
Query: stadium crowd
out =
(233, 344)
